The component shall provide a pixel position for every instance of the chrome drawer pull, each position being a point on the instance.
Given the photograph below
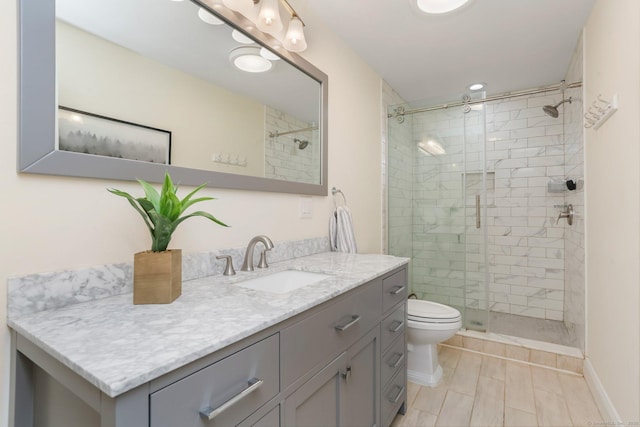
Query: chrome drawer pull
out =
(210, 413)
(398, 325)
(398, 396)
(399, 359)
(354, 319)
(397, 290)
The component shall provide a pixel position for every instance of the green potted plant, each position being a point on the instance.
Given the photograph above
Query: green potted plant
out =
(157, 274)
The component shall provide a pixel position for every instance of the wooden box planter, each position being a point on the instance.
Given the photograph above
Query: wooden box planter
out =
(157, 277)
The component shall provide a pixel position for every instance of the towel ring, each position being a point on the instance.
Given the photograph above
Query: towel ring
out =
(335, 191)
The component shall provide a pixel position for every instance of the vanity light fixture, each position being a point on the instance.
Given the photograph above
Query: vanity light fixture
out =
(294, 41)
(248, 58)
(208, 17)
(268, 20)
(438, 7)
(238, 5)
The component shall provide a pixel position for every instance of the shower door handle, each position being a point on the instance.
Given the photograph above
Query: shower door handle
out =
(477, 211)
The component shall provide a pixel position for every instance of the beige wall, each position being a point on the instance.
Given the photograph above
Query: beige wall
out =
(54, 223)
(613, 203)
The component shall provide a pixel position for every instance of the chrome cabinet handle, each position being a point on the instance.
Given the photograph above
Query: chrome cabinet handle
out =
(398, 361)
(398, 325)
(352, 321)
(397, 397)
(397, 290)
(252, 385)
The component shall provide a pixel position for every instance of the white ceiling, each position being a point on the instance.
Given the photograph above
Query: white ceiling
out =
(508, 44)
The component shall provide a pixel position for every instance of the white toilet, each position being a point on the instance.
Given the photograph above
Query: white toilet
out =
(429, 323)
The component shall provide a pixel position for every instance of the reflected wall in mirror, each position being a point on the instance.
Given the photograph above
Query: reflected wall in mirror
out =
(164, 65)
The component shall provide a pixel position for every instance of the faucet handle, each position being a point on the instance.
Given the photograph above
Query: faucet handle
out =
(263, 259)
(228, 269)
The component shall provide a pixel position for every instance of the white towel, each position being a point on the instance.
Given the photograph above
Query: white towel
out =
(341, 234)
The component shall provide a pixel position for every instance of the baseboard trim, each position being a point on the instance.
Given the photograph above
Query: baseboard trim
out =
(605, 406)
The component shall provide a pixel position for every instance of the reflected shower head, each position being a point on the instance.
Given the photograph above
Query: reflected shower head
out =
(552, 110)
(302, 143)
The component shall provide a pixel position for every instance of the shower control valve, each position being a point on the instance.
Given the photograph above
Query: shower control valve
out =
(567, 213)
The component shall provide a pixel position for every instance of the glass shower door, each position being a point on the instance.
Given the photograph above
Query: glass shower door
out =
(435, 172)
(476, 185)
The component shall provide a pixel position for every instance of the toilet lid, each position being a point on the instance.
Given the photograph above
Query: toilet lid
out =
(420, 309)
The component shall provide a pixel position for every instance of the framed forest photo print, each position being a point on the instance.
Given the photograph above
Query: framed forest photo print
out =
(88, 133)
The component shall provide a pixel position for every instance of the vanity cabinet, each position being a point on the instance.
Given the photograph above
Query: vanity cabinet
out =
(394, 346)
(342, 363)
(250, 376)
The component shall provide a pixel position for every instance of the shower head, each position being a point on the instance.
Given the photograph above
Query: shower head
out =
(302, 143)
(552, 110)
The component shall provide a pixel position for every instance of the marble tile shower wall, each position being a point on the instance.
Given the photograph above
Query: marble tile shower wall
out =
(526, 246)
(283, 159)
(574, 297)
(524, 150)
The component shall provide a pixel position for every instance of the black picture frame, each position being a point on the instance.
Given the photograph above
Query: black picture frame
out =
(88, 133)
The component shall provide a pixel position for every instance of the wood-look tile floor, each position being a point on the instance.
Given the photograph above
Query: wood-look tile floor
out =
(481, 390)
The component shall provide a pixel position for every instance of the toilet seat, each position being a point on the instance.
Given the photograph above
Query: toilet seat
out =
(431, 312)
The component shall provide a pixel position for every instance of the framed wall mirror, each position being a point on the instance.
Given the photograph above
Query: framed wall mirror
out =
(129, 89)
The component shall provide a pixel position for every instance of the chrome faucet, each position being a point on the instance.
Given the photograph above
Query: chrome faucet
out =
(247, 265)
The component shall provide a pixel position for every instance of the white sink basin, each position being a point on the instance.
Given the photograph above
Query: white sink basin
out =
(283, 281)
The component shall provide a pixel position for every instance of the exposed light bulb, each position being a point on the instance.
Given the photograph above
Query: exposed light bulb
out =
(294, 41)
(269, 20)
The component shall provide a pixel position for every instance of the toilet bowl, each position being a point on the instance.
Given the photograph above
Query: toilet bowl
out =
(428, 323)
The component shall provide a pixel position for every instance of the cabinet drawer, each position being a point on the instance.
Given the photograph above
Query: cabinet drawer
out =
(311, 341)
(393, 359)
(394, 289)
(217, 385)
(393, 396)
(393, 326)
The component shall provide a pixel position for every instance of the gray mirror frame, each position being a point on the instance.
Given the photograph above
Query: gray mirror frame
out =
(38, 115)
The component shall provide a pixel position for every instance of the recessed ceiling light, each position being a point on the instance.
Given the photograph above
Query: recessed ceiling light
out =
(247, 58)
(267, 54)
(440, 6)
(208, 17)
(241, 38)
(476, 86)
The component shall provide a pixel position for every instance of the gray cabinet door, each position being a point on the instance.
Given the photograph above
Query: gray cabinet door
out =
(361, 386)
(317, 402)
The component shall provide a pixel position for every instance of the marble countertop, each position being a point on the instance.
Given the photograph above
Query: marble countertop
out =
(118, 346)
